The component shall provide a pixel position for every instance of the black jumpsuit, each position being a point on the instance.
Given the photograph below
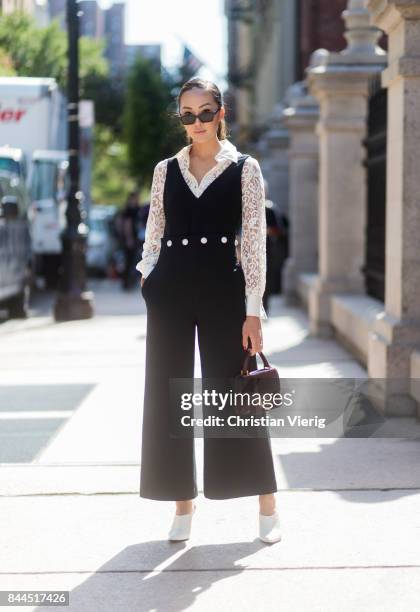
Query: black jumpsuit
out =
(197, 282)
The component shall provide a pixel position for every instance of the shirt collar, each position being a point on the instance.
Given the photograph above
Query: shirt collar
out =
(227, 151)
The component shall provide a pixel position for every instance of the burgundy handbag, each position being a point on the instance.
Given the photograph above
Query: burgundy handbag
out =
(263, 381)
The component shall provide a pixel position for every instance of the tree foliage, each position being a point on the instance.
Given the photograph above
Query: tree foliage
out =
(111, 182)
(149, 127)
(33, 51)
(6, 64)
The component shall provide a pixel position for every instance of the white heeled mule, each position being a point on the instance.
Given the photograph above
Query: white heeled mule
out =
(181, 526)
(269, 528)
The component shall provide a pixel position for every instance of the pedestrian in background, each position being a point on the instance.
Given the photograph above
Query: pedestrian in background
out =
(130, 232)
(144, 213)
(275, 235)
(272, 215)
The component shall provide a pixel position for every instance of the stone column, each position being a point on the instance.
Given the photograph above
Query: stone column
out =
(300, 117)
(397, 332)
(340, 82)
(272, 150)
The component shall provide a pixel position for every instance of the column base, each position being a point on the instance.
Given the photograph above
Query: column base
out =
(293, 273)
(320, 294)
(73, 307)
(289, 282)
(392, 397)
(390, 347)
(319, 305)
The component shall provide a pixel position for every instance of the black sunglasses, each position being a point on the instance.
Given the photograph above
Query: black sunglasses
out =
(205, 117)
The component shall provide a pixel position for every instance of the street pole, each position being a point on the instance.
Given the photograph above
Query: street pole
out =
(73, 300)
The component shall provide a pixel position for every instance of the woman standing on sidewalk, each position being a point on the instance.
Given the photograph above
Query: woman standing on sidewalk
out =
(191, 278)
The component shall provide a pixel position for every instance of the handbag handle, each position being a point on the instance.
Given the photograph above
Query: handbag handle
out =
(247, 357)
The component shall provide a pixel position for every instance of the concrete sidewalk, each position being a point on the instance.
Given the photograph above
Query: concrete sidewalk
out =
(72, 519)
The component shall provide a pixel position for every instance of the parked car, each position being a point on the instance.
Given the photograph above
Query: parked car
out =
(101, 243)
(15, 247)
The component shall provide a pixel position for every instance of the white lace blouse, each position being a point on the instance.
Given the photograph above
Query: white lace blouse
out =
(253, 233)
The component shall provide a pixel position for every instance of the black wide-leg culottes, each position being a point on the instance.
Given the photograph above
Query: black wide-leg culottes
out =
(196, 285)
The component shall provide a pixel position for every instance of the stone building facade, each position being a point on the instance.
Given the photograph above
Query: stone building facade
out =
(313, 150)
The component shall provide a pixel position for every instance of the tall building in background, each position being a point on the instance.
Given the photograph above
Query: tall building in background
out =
(92, 20)
(114, 34)
(36, 8)
(57, 10)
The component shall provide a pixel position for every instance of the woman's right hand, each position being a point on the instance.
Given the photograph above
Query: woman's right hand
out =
(142, 281)
(252, 331)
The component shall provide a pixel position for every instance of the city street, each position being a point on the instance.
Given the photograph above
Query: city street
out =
(230, 152)
(72, 519)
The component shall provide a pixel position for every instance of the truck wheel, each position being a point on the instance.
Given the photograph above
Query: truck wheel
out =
(18, 305)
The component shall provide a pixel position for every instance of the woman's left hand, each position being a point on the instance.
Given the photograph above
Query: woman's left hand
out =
(252, 329)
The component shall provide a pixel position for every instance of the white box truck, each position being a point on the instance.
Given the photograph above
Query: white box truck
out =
(33, 114)
(33, 119)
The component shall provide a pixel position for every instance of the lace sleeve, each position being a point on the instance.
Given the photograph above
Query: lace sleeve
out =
(253, 237)
(155, 221)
